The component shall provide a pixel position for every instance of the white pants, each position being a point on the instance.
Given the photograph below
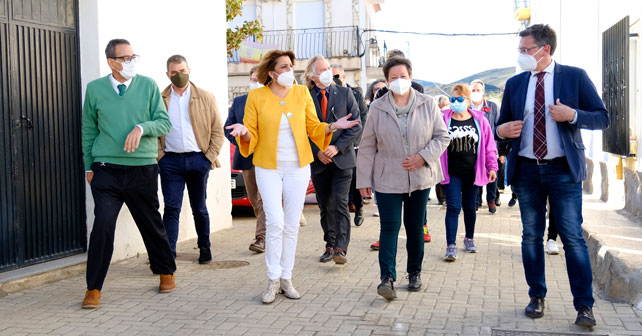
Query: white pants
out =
(283, 193)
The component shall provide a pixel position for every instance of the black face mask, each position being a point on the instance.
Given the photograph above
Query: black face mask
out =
(180, 79)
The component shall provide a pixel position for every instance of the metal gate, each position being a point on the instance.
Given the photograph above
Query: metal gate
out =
(42, 214)
(615, 87)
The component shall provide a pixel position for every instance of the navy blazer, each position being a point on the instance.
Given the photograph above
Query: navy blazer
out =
(574, 88)
(235, 116)
(341, 101)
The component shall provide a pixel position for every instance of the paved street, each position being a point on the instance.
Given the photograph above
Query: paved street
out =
(480, 294)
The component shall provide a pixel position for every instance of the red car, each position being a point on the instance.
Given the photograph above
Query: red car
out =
(239, 194)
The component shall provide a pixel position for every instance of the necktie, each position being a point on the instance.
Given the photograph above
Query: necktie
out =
(121, 89)
(539, 120)
(324, 105)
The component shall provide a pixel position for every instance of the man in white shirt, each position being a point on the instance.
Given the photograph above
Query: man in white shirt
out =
(188, 152)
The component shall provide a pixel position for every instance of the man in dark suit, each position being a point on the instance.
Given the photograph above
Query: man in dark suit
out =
(542, 112)
(354, 195)
(237, 111)
(332, 168)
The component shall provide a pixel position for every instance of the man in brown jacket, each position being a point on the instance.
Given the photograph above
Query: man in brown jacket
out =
(188, 152)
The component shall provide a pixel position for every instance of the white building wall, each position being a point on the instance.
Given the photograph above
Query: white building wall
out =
(158, 29)
(341, 13)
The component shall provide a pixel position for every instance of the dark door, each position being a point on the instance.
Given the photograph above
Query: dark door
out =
(41, 173)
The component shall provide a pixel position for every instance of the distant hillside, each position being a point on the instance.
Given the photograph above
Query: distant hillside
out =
(495, 79)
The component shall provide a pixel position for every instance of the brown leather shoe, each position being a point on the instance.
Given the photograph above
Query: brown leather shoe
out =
(258, 245)
(92, 299)
(167, 283)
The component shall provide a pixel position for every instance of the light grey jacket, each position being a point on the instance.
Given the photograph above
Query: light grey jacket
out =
(382, 149)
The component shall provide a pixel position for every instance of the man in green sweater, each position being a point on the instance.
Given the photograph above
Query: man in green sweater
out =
(123, 116)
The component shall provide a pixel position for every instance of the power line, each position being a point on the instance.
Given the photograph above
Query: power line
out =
(438, 34)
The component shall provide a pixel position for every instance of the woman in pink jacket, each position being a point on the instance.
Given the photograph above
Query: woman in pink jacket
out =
(469, 162)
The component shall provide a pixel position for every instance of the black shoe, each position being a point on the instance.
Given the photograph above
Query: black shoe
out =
(440, 202)
(358, 217)
(387, 289)
(205, 255)
(585, 317)
(512, 202)
(327, 255)
(498, 202)
(339, 257)
(414, 282)
(535, 308)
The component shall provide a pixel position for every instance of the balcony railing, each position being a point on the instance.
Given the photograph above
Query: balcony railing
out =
(306, 43)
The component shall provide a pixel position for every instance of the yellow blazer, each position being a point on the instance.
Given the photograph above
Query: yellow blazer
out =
(263, 111)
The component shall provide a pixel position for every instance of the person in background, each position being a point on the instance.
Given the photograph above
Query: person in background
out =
(490, 112)
(444, 104)
(279, 122)
(400, 164)
(355, 201)
(188, 152)
(122, 117)
(469, 163)
(235, 115)
(372, 90)
(332, 168)
(542, 113)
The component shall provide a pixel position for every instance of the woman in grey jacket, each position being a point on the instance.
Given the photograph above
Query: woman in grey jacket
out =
(399, 158)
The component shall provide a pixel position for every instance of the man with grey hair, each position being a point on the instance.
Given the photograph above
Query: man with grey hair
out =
(490, 111)
(332, 168)
(443, 102)
(355, 202)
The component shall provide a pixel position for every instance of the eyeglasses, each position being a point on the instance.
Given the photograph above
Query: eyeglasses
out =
(526, 50)
(127, 59)
(459, 99)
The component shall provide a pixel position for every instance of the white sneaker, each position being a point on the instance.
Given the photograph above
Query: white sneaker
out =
(302, 220)
(551, 247)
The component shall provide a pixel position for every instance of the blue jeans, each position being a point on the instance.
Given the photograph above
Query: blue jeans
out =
(533, 185)
(414, 212)
(461, 193)
(176, 171)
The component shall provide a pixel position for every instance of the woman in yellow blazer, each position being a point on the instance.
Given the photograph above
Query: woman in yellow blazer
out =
(279, 123)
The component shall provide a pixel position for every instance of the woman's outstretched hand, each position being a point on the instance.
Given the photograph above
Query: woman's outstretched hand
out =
(344, 123)
(239, 130)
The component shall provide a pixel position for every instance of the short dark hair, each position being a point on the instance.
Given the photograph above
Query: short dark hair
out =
(542, 34)
(176, 59)
(394, 61)
(110, 50)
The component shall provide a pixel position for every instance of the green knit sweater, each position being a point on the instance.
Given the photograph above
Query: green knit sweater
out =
(107, 119)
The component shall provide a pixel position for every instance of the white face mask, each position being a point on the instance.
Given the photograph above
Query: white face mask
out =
(476, 96)
(129, 70)
(255, 85)
(286, 79)
(528, 62)
(400, 86)
(326, 78)
(447, 107)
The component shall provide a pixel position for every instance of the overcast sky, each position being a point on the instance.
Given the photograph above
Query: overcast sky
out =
(447, 59)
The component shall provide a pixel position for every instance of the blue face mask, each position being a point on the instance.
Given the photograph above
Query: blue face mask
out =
(458, 107)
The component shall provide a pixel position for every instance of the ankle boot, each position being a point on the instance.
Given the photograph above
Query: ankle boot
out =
(270, 293)
(288, 289)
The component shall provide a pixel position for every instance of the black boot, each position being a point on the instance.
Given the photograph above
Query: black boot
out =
(414, 281)
(387, 289)
(205, 255)
(585, 317)
(535, 308)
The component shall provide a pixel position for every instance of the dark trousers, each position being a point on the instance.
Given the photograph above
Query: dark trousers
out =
(491, 193)
(332, 187)
(414, 213)
(501, 176)
(461, 193)
(136, 186)
(534, 184)
(178, 170)
(552, 227)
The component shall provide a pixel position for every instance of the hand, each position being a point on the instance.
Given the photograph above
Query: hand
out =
(413, 163)
(502, 159)
(492, 176)
(323, 158)
(511, 129)
(90, 176)
(560, 112)
(331, 151)
(238, 130)
(344, 123)
(133, 140)
(365, 192)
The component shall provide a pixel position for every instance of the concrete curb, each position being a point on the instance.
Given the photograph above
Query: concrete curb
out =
(617, 271)
(42, 279)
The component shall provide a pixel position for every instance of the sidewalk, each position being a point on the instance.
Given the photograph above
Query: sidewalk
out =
(480, 294)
